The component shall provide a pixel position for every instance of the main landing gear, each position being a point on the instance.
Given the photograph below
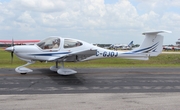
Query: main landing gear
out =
(61, 70)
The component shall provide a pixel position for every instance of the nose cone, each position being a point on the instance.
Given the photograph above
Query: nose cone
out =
(10, 49)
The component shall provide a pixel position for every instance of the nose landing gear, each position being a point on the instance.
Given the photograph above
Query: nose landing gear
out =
(23, 70)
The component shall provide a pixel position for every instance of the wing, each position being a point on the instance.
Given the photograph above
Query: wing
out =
(80, 55)
(75, 56)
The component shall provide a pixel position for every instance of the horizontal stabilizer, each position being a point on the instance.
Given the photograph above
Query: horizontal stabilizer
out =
(156, 32)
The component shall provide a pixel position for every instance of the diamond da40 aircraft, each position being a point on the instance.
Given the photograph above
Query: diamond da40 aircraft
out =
(60, 50)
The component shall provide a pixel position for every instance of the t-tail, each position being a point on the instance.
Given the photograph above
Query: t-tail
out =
(152, 44)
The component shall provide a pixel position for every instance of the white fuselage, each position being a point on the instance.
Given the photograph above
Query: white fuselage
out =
(34, 53)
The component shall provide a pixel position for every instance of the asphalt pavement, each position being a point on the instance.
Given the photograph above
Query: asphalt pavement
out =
(91, 88)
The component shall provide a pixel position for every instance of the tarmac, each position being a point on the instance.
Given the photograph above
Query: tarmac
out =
(91, 88)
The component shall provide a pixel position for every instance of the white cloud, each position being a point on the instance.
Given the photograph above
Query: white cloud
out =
(26, 17)
(38, 5)
(171, 21)
(89, 20)
(175, 3)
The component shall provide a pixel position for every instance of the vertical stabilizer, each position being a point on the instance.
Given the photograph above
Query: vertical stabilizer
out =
(130, 44)
(152, 43)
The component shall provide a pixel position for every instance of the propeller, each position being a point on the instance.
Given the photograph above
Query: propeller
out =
(12, 52)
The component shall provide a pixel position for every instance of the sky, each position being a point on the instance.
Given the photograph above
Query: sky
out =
(94, 21)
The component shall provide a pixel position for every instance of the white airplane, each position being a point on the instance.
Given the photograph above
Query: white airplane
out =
(168, 48)
(60, 50)
(122, 46)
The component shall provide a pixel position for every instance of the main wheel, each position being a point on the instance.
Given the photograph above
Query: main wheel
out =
(23, 73)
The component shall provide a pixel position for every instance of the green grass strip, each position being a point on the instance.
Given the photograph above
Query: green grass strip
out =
(163, 60)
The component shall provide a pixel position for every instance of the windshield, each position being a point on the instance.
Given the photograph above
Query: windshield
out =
(49, 43)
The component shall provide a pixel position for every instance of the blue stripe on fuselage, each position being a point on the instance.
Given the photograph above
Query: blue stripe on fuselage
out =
(145, 49)
(50, 54)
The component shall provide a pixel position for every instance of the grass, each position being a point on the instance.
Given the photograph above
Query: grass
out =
(163, 60)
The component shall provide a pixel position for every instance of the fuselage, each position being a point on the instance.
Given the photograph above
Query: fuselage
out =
(44, 50)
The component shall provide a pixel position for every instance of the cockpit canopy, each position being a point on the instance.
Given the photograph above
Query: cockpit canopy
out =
(49, 43)
(54, 43)
(70, 43)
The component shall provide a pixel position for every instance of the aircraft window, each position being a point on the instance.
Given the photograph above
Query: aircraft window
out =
(69, 43)
(49, 43)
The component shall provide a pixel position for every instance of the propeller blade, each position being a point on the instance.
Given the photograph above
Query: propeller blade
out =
(12, 53)
(12, 43)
